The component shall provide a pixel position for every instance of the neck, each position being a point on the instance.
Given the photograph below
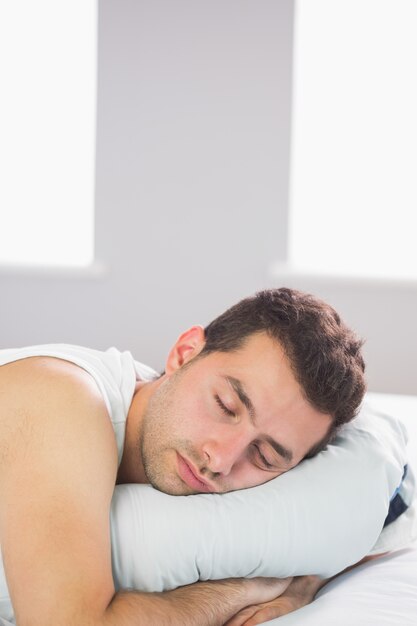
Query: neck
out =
(131, 468)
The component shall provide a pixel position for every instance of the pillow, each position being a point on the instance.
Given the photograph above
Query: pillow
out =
(318, 518)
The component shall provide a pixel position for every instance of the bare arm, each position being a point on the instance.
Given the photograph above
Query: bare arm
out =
(209, 603)
(58, 465)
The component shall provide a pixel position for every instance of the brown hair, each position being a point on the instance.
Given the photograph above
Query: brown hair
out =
(324, 353)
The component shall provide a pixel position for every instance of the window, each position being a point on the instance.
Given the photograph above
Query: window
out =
(354, 154)
(47, 130)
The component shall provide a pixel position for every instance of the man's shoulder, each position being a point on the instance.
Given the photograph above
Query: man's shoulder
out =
(43, 397)
(58, 466)
(45, 378)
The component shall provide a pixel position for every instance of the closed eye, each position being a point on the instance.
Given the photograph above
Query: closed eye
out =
(224, 408)
(261, 457)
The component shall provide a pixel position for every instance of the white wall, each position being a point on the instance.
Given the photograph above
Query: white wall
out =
(192, 190)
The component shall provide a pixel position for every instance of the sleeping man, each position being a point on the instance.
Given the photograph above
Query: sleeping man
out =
(265, 385)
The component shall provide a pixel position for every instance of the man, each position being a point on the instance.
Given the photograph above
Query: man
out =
(266, 384)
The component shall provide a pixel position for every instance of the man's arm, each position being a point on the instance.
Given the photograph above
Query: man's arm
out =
(58, 465)
(209, 603)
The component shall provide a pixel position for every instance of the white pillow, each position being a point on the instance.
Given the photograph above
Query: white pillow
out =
(320, 517)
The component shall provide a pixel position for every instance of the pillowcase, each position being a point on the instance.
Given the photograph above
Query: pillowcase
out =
(318, 518)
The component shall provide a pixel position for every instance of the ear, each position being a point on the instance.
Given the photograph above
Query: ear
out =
(187, 346)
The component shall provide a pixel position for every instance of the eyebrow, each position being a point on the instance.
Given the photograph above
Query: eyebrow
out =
(247, 402)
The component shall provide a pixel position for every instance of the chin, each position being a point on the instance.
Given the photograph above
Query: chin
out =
(171, 489)
(175, 491)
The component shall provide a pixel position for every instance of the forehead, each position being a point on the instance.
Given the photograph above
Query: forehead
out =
(266, 376)
(261, 362)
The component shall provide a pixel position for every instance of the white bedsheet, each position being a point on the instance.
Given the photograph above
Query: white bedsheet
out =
(378, 593)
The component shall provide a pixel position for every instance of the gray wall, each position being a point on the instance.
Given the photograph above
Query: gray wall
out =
(194, 101)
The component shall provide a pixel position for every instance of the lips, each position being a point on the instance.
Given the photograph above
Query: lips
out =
(190, 477)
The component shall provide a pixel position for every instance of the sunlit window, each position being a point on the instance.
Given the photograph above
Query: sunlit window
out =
(47, 131)
(354, 153)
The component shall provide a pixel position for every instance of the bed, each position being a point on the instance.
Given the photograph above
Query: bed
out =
(152, 552)
(378, 593)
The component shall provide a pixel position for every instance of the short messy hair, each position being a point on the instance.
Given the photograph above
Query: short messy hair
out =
(324, 353)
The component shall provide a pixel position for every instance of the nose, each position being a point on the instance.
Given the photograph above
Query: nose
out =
(223, 453)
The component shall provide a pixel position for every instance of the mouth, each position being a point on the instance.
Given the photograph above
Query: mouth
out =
(190, 476)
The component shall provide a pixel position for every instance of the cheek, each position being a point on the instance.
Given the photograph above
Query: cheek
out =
(246, 474)
(192, 418)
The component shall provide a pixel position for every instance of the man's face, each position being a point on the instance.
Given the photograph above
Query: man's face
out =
(227, 421)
